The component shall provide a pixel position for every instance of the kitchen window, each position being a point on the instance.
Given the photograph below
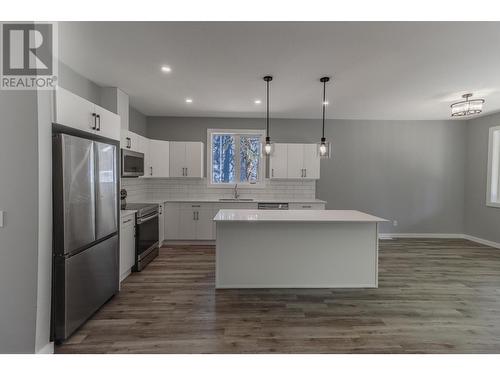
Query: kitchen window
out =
(235, 157)
(493, 187)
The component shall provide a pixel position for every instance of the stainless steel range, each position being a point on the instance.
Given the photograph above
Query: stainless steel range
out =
(147, 233)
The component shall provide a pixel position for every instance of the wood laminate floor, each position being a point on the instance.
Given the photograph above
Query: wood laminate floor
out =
(434, 296)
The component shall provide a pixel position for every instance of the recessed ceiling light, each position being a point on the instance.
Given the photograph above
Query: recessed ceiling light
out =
(189, 100)
(257, 101)
(325, 102)
(166, 69)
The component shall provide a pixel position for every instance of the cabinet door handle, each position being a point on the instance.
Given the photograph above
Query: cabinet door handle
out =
(126, 221)
(272, 172)
(99, 123)
(186, 171)
(195, 205)
(306, 206)
(129, 143)
(197, 215)
(305, 172)
(151, 172)
(94, 117)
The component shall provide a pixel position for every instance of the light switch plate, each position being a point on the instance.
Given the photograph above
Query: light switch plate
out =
(1, 219)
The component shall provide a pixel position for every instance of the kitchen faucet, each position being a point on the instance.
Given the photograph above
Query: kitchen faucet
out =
(236, 195)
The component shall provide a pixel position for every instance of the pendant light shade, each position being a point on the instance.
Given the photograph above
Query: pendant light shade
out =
(268, 146)
(324, 147)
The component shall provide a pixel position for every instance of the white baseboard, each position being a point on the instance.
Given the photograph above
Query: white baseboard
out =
(481, 241)
(384, 236)
(389, 236)
(188, 242)
(47, 349)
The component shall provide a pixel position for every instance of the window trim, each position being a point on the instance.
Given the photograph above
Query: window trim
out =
(493, 161)
(262, 181)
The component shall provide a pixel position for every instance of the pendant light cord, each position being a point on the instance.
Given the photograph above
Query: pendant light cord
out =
(324, 107)
(267, 109)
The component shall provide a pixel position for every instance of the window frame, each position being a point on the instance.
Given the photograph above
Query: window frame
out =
(238, 133)
(493, 173)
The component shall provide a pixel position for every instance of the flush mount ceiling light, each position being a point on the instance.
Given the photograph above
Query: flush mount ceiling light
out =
(268, 147)
(467, 107)
(257, 101)
(324, 147)
(189, 100)
(166, 69)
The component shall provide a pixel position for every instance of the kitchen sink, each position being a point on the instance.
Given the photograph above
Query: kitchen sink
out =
(236, 200)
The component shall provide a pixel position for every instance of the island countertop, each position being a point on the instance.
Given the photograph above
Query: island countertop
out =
(296, 216)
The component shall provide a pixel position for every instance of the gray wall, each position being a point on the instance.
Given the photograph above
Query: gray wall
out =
(18, 237)
(78, 84)
(409, 171)
(136, 121)
(480, 220)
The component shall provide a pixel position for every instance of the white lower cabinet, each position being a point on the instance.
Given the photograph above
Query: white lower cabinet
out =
(161, 224)
(194, 220)
(204, 227)
(127, 245)
(188, 221)
(171, 215)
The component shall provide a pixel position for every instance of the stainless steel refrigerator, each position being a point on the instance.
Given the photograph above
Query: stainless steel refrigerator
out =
(85, 266)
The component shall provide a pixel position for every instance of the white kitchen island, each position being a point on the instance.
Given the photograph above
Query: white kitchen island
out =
(296, 249)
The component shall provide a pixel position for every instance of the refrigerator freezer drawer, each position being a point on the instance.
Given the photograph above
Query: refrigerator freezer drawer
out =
(85, 282)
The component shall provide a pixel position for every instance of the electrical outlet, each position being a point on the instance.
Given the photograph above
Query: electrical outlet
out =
(395, 223)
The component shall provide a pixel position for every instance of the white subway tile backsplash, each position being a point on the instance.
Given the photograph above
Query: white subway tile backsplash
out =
(143, 189)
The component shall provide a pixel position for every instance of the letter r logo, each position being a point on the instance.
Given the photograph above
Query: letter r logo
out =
(27, 49)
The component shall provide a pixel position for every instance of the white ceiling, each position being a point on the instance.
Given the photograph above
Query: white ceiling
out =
(384, 70)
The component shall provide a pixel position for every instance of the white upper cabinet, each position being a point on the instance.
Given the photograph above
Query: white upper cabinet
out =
(194, 159)
(108, 123)
(76, 112)
(177, 159)
(186, 159)
(278, 161)
(311, 161)
(157, 163)
(294, 161)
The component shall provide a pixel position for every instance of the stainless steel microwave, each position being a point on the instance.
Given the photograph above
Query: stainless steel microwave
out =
(132, 163)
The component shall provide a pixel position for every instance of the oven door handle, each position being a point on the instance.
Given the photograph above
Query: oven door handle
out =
(147, 218)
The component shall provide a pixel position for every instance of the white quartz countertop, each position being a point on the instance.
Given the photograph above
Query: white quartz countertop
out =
(295, 216)
(217, 200)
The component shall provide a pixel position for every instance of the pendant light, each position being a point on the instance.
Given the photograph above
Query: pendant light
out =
(268, 147)
(324, 147)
